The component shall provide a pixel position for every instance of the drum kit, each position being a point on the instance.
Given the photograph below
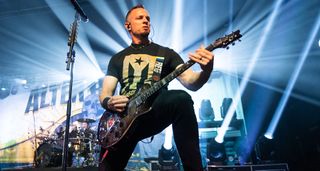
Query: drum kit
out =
(83, 148)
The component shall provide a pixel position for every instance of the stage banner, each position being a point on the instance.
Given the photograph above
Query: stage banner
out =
(32, 118)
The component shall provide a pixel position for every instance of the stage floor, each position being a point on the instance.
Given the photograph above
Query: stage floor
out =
(265, 167)
(54, 169)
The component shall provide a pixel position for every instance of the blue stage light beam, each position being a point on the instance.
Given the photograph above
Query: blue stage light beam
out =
(284, 99)
(177, 26)
(177, 45)
(226, 122)
(205, 24)
(168, 138)
(116, 22)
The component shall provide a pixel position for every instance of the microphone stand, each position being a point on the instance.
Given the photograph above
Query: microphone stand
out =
(35, 140)
(70, 61)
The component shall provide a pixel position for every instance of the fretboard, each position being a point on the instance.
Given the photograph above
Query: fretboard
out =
(219, 43)
(164, 81)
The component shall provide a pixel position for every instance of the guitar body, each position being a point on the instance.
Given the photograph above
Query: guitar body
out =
(114, 127)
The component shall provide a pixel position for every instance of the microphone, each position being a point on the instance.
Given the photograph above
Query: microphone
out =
(77, 7)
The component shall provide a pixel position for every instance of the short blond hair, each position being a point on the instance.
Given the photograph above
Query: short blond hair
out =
(135, 7)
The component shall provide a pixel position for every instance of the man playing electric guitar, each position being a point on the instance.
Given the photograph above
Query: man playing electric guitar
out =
(145, 62)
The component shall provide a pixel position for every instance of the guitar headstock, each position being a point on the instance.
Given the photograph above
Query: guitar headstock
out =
(223, 42)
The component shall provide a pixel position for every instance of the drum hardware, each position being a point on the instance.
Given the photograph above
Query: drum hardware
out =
(83, 152)
(48, 155)
(83, 148)
(88, 120)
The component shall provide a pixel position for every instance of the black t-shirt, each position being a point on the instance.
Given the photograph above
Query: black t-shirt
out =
(134, 67)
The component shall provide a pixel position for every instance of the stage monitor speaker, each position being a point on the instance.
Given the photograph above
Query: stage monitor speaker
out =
(228, 168)
(261, 167)
(271, 167)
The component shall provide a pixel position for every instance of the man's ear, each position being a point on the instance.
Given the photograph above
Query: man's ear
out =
(128, 26)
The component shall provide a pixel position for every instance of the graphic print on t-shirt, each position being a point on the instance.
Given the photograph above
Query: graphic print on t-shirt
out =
(137, 71)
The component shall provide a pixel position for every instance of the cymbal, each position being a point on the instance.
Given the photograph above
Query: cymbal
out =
(74, 138)
(42, 137)
(86, 120)
(80, 138)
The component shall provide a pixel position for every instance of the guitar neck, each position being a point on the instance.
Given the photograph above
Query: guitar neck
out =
(219, 43)
(158, 85)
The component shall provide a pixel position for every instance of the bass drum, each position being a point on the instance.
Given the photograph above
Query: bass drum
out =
(48, 155)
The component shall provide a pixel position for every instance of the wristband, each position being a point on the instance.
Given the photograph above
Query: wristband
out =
(105, 102)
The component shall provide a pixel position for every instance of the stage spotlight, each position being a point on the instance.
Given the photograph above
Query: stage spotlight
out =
(228, 114)
(268, 136)
(216, 153)
(14, 89)
(265, 150)
(206, 112)
(168, 158)
(4, 92)
(226, 103)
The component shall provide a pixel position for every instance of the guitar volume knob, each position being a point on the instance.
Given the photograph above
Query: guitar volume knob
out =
(121, 124)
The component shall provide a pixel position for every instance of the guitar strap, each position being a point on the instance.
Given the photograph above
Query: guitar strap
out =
(104, 155)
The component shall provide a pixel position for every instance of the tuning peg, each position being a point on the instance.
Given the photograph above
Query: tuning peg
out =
(227, 47)
(233, 44)
(239, 40)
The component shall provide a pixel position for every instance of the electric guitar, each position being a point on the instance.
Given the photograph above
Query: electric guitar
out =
(115, 126)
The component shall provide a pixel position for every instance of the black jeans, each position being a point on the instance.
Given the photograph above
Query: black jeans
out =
(170, 107)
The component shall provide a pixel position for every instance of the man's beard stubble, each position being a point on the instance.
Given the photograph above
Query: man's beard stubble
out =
(143, 35)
